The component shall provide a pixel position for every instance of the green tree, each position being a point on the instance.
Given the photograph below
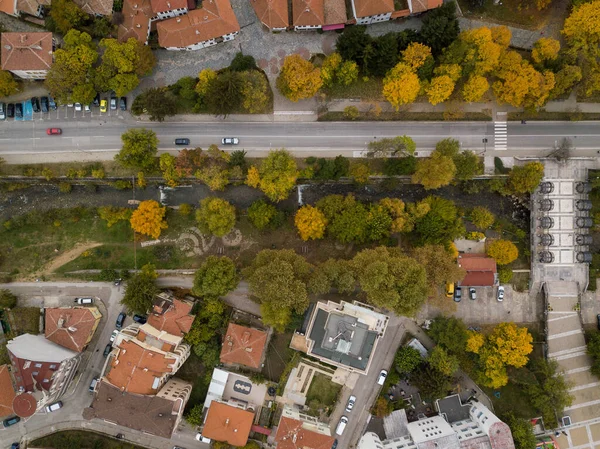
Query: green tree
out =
(468, 165)
(139, 149)
(255, 91)
(225, 94)
(449, 332)
(440, 27)
(347, 217)
(215, 216)
(522, 431)
(360, 173)
(194, 417)
(66, 15)
(481, 217)
(140, 290)
(242, 62)
(440, 266)
(431, 383)
(157, 102)
(354, 44)
(441, 224)
(448, 147)
(261, 214)
(216, 277)
(379, 222)
(393, 146)
(166, 162)
(526, 178)
(339, 275)
(383, 54)
(8, 299)
(593, 350)
(443, 362)
(434, 172)
(8, 85)
(407, 359)
(276, 176)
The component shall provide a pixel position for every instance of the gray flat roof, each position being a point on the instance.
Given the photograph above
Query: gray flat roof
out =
(453, 409)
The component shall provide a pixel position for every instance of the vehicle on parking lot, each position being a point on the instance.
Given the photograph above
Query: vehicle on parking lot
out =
(341, 425)
(230, 141)
(52, 103)
(182, 141)
(113, 102)
(87, 108)
(78, 106)
(199, 437)
(84, 300)
(44, 104)
(107, 350)
(350, 404)
(35, 104)
(500, 295)
(114, 335)
(96, 101)
(19, 110)
(450, 289)
(121, 320)
(140, 319)
(382, 376)
(123, 103)
(103, 106)
(70, 105)
(11, 421)
(92, 386)
(472, 293)
(54, 407)
(2, 111)
(15, 446)
(118, 281)
(335, 443)
(10, 110)
(457, 294)
(53, 131)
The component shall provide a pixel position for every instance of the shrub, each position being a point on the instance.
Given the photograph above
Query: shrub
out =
(47, 173)
(505, 275)
(185, 209)
(121, 184)
(351, 112)
(476, 236)
(261, 214)
(98, 173)
(65, 187)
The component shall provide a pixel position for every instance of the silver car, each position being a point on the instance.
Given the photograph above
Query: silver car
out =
(500, 295)
(230, 141)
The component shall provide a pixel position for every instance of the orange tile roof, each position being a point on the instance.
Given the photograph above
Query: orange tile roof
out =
(272, 13)
(71, 328)
(8, 6)
(335, 12)
(101, 7)
(243, 346)
(227, 423)
(7, 392)
(136, 20)
(215, 19)
(26, 51)
(31, 6)
(291, 435)
(135, 368)
(177, 319)
(308, 12)
(480, 269)
(167, 5)
(424, 5)
(366, 8)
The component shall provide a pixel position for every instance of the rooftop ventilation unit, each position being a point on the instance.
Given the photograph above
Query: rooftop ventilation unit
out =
(546, 239)
(584, 257)
(546, 257)
(584, 222)
(546, 205)
(584, 205)
(546, 222)
(546, 187)
(584, 239)
(583, 187)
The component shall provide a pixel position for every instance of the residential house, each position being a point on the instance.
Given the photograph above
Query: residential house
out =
(71, 327)
(165, 9)
(96, 7)
(41, 366)
(308, 14)
(27, 55)
(372, 11)
(171, 315)
(481, 270)
(419, 6)
(18, 8)
(298, 431)
(228, 423)
(273, 14)
(335, 14)
(137, 19)
(243, 346)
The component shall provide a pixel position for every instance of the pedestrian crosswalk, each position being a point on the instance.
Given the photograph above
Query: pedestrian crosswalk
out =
(500, 132)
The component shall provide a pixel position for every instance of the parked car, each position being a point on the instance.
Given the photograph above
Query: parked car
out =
(15, 446)
(92, 386)
(87, 108)
(472, 293)
(2, 111)
(500, 295)
(121, 320)
(19, 110)
(10, 110)
(35, 104)
(341, 425)
(54, 407)
(140, 319)
(350, 404)
(84, 301)
(335, 443)
(44, 104)
(182, 141)
(53, 131)
(230, 141)
(11, 421)
(199, 437)
(103, 106)
(78, 106)
(96, 101)
(113, 102)
(120, 436)
(457, 294)
(450, 290)
(107, 349)
(114, 335)
(123, 103)
(118, 281)
(382, 376)
(52, 103)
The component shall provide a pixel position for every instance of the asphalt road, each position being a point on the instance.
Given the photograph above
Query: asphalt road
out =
(101, 137)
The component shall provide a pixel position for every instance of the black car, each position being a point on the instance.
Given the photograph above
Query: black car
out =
(15, 446)
(123, 103)
(10, 110)
(96, 101)
(107, 349)
(139, 319)
(44, 104)
(52, 103)
(120, 320)
(182, 141)
(120, 436)
(457, 294)
(334, 445)
(35, 104)
(19, 110)
(11, 421)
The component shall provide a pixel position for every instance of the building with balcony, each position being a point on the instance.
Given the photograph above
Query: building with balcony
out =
(71, 327)
(27, 55)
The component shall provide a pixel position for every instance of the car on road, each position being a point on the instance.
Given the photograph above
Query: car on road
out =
(120, 436)
(107, 349)
(114, 335)
(457, 294)
(113, 102)
(93, 384)
(44, 104)
(121, 320)
(10, 110)
(54, 407)
(182, 141)
(472, 293)
(199, 437)
(500, 295)
(84, 301)
(341, 425)
(78, 107)
(382, 376)
(350, 404)
(140, 319)
(230, 141)
(123, 104)
(2, 111)
(52, 103)
(334, 445)
(53, 131)
(11, 421)
(19, 110)
(103, 106)
(35, 104)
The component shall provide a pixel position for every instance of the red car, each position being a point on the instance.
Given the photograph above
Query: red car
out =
(52, 131)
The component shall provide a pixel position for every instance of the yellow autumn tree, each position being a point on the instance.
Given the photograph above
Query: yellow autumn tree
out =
(501, 35)
(299, 78)
(205, 77)
(454, 71)
(415, 55)
(149, 219)
(545, 49)
(310, 222)
(503, 251)
(397, 210)
(475, 88)
(435, 171)
(401, 85)
(581, 30)
(329, 68)
(475, 342)
(484, 53)
(440, 88)
(276, 176)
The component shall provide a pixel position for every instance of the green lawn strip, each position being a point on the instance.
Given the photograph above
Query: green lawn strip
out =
(78, 439)
(507, 12)
(338, 116)
(278, 356)
(573, 116)
(322, 393)
(111, 168)
(364, 88)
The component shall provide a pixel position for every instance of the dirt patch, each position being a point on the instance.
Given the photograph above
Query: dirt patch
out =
(68, 256)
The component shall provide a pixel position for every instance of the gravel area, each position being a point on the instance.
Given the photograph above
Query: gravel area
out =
(12, 24)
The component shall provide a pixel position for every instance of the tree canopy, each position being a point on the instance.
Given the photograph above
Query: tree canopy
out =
(503, 251)
(526, 178)
(435, 171)
(139, 149)
(299, 78)
(215, 216)
(8, 299)
(149, 219)
(276, 176)
(216, 277)
(407, 359)
(140, 291)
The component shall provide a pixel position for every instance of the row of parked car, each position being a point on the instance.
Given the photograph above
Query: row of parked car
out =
(47, 104)
(455, 291)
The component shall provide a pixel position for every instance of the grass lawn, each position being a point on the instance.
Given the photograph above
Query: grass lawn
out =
(322, 393)
(25, 320)
(193, 371)
(509, 12)
(512, 399)
(367, 88)
(76, 439)
(278, 356)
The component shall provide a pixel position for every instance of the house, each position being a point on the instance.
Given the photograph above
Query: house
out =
(273, 14)
(372, 11)
(171, 315)
(237, 390)
(165, 9)
(296, 433)
(335, 15)
(481, 270)
(228, 423)
(419, 6)
(19, 8)
(71, 327)
(215, 22)
(308, 14)
(158, 414)
(137, 18)
(96, 7)
(243, 346)
(27, 55)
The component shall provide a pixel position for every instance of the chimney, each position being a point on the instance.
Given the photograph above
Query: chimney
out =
(178, 20)
(227, 421)
(138, 26)
(72, 329)
(60, 322)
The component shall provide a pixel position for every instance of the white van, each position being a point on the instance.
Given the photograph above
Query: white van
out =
(92, 387)
(85, 300)
(341, 425)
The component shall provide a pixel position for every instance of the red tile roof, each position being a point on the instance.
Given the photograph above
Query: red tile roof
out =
(215, 19)
(308, 12)
(335, 12)
(136, 20)
(227, 423)
(167, 5)
(176, 319)
(71, 328)
(24, 405)
(366, 8)
(31, 6)
(26, 51)
(480, 270)
(135, 369)
(424, 5)
(93, 7)
(291, 435)
(243, 346)
(272, 13)
(8, 6)
(7, 392)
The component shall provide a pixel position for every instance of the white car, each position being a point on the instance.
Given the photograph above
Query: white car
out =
(199, 437)
(87, 108)
(54, 407)
(114, 335)
(78, 106)
(500, 295)
(350, 404)
(230, 141)
(382, 376)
